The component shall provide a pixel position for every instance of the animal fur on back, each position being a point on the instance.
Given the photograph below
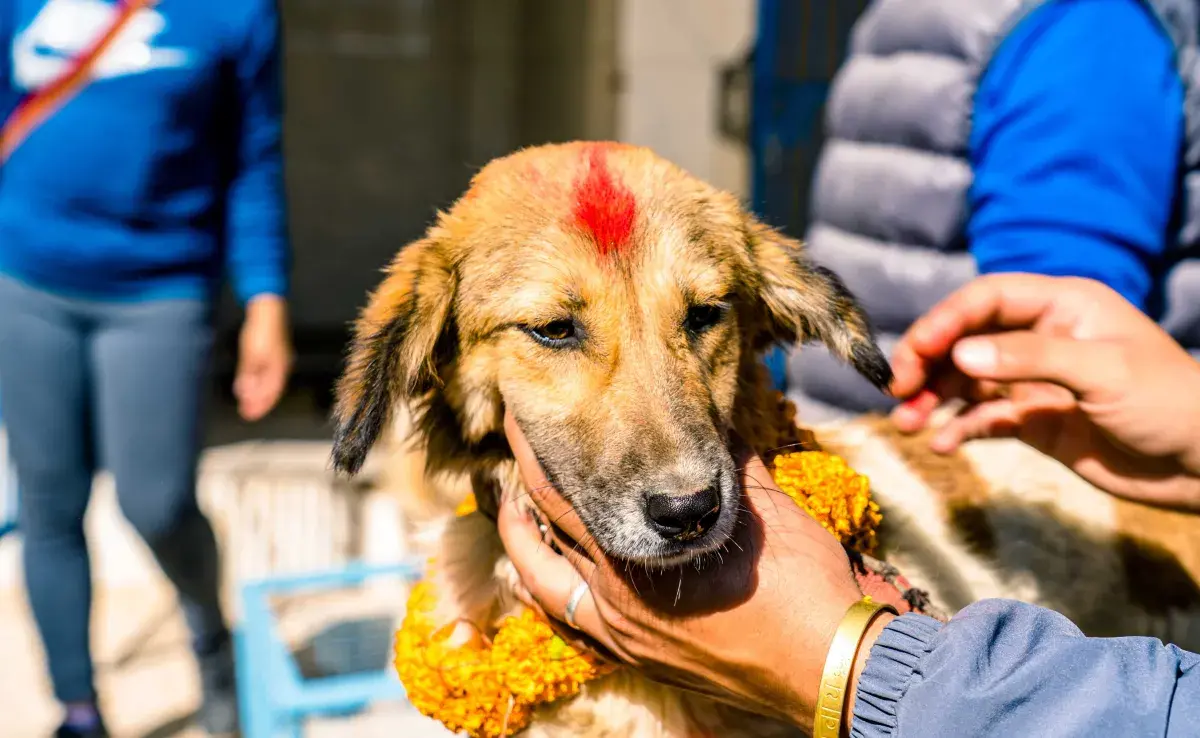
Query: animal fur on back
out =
(618, 307)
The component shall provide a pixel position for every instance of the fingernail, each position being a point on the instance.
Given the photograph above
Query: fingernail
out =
(978, 354)
(942, 443)
(904, 415)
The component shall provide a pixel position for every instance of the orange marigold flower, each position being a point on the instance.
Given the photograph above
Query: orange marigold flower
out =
(492, 690)
(833, 493)
(467, 506)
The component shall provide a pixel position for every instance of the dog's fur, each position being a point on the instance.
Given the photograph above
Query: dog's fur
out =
(618, 307)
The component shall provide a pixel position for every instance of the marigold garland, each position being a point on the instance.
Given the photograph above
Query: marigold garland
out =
(833, 493)
(488, 690)
(491, 690)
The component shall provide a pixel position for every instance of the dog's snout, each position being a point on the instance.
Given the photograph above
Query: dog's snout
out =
(684, 516)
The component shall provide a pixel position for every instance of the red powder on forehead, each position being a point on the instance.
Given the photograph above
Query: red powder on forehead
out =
(604, 208)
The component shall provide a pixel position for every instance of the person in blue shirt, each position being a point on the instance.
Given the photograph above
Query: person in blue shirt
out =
(998, 667)
(974, 137)
(1076, 149)
(120, 215)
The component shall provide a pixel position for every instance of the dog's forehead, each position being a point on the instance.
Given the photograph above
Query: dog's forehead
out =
(611, 197)
(602, 205)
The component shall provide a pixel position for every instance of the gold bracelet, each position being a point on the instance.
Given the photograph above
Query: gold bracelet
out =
(831, 700)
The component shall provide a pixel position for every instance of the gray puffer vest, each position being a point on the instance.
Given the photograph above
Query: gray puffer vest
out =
(889, 200)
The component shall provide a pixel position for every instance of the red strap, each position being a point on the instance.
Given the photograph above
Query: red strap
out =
(36, 107)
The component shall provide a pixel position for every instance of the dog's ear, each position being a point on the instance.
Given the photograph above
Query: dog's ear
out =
(392, 356)
(802, 301)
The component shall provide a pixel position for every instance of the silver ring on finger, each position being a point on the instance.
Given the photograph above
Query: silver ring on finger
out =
(573, 604)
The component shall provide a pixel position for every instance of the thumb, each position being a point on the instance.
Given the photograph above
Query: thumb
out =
(1083, 367)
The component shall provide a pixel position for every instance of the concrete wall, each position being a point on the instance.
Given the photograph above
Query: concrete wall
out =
(669, 53)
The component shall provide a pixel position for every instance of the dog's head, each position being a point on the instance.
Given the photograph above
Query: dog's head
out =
(610, 300)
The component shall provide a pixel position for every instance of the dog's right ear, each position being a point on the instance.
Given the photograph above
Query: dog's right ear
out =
(392, 354)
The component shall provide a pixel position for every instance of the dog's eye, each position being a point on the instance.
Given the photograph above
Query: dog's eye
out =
(558, 334)
(702, 317)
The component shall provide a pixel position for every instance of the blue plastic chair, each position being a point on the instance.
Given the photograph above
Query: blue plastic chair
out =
(275, 699)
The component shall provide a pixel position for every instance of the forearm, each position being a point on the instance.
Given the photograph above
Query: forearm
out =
(1007, 668)
(259, 268)
(259, 255)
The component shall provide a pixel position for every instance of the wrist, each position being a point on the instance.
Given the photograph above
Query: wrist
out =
(860, 663)
(845, 658)
(267, 306)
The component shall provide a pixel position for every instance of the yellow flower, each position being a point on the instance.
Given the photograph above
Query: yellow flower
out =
(833, 493)
(486, 690)
(466, 507)
(491, 689)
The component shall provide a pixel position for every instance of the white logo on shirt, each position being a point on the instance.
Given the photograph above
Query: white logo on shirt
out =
(66, 28)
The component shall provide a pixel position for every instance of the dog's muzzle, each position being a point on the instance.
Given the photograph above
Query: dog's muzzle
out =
(684, 517)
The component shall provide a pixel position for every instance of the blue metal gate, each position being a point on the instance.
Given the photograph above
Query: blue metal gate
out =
(800, 45)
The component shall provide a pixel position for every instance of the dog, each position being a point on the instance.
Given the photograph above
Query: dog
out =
(619, 307)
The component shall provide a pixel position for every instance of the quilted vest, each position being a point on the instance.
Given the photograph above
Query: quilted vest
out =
(889, 201)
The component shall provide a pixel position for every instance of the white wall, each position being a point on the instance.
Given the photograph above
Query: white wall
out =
(668, 54)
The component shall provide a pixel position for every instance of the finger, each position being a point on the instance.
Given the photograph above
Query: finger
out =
(580, 556)
(910, 371)
(549, 578)
(915, 414)
(996, 419)
(912, 415)
(255, 398)
(531, 469)
(993, 302)
(556, 509)
(1086, 368)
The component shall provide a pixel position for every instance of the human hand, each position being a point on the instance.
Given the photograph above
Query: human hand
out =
(1069, 367)
(264, 357)
(750, 627)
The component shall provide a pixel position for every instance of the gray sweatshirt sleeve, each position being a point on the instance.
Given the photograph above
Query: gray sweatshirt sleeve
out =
(1007, 668)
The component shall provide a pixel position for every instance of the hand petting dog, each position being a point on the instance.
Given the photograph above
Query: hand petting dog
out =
(1059, 362)
(714, 627)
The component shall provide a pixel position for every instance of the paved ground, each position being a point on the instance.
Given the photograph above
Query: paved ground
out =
(146, 676)
(145, 672)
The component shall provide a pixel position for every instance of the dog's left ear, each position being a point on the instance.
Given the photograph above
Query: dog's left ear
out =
(803, 301)
(393, 354)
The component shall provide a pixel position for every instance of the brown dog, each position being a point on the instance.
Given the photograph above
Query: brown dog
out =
(618, 307)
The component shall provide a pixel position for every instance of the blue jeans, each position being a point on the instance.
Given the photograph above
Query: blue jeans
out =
(88, 385)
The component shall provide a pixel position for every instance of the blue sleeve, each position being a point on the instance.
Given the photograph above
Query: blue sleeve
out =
(258, 251)
(1075, 144)
(1002, 667)
(9, 97)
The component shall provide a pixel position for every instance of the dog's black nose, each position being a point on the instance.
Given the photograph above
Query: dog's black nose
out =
(684, 516)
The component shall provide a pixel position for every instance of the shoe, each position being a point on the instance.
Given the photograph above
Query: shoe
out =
(218, 714)
(70, 731)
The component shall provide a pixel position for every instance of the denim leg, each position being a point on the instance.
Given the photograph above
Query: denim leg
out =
(44, 393)
(150, 362)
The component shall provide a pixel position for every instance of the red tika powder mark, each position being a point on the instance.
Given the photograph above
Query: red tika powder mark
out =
(604, 208)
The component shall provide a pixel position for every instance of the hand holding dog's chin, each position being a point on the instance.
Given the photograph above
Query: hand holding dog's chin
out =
(750, 627)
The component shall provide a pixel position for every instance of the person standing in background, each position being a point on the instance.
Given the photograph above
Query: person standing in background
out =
(120, 212)
(1052, 137)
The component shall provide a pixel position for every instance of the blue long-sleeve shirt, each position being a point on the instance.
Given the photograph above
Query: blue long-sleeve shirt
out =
(165, 172)
(1006, 668)
(1076, 139)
